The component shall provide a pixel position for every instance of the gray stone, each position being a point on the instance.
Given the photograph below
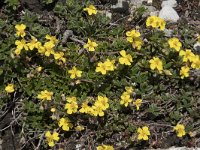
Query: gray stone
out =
(122, 6)
(172, 3)
(167, 12)
(137, 3)
(150, 10)
(197, 47)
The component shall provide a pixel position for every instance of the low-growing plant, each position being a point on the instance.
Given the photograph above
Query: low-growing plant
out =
(119, 88)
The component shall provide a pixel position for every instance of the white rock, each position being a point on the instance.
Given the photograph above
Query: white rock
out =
(149, 1)
(167, 12)
(172, 3)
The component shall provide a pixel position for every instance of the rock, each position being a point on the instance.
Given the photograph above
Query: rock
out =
(150, 10)
(167, 12)
(149, 1)
(137, 3)
(197, 47)
(122, 6)
(172, 3)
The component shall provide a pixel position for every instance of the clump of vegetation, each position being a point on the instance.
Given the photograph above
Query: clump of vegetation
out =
(84, 81)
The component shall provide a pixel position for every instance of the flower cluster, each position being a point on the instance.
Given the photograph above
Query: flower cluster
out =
(100, 105)
(104, 67)
(126, 98)
(133, 37)
(155, 22)
(46, 49)
(190, 59)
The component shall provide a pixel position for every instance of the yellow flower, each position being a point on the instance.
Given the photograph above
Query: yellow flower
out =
(102, 101)
(162, 24)
(49, 48)
(110, 65)
(105, 147)
(71, 107)
(90, 45)
(125, 99)
(21, 44)
(53, 109)
(155, 22)
(71, 99)
(143, 133)
(63, 59)
(10, 88)
(137, 103)
(187, 55)
(97, 110)
(184, 72)
(74, 73)
(175, 43)
(91, 10)
(150, 20)
(137, 43)
(58, 55)
(39, 69)
(17, 51)
(156, 63)
(129, 89)
(101, 67)
(131, 35)
(196, 62)
(20, 30)
(65, 123)
(33, 44)
(84, 108)
(51, 38)
(45, 95)
(180, 129)
(79, 128)
(125, 59)
(40, 48)
(51, 138)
